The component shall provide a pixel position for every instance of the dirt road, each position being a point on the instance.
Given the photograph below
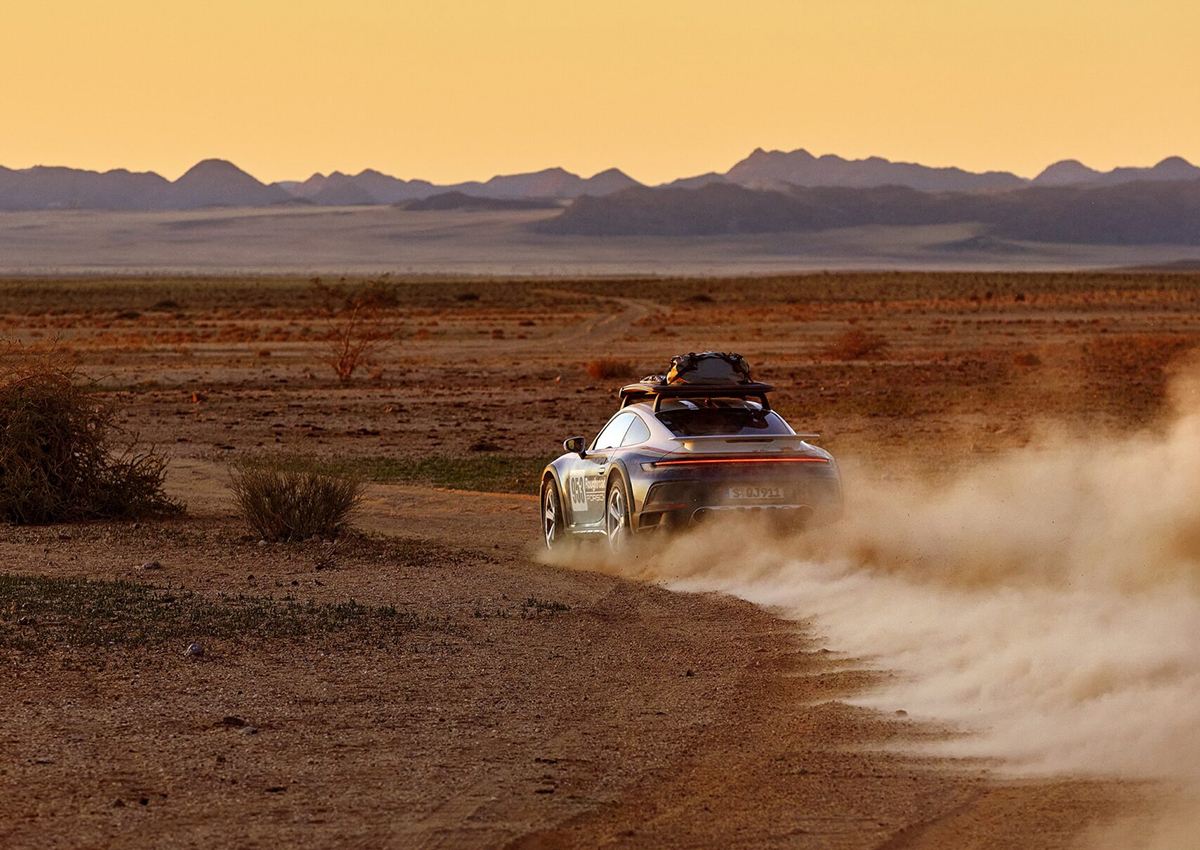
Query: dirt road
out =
(627, 716)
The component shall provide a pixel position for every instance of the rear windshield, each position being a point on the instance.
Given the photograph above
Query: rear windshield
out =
(722, 421)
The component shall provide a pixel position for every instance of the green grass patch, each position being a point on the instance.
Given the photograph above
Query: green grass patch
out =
(39, 613)
(485, 472)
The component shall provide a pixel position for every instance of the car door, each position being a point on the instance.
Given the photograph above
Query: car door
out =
(588, 478)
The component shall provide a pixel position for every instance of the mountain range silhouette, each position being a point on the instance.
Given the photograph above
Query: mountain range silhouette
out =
(217, 182)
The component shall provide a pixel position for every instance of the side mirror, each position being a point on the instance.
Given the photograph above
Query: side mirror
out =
(576, 445)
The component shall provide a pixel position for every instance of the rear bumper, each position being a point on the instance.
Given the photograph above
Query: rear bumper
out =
(794, 494)
(803, 506)
(799, 516)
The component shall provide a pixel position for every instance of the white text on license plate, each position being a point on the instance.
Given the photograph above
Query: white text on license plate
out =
(754, 494)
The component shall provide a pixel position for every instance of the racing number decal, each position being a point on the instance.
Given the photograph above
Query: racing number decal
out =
(578, 492)
(584, 488)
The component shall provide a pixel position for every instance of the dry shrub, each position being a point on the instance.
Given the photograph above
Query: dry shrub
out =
(856, 344)
(62, 457)
(608, 367)
(361, 322)
(292, 498)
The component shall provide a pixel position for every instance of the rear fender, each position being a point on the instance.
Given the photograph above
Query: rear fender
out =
(552, 474)
(618, 472)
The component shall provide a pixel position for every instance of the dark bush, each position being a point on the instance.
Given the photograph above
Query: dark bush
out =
(293, 498)
(62, 457)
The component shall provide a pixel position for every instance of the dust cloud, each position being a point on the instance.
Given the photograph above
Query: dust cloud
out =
(1046, 601)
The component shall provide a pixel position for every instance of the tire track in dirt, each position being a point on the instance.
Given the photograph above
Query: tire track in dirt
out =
(600, 333)
(603, 329)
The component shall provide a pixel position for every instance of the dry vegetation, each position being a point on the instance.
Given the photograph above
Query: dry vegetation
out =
(62, 455)
(361, 324)
(287, 498)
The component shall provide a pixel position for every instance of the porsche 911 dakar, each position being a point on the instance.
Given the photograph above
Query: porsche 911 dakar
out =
(684, 447)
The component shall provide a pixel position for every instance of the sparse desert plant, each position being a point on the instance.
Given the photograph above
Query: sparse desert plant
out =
(63, 458)
(361, 322)
(43, 613)
(856, 344)
(293, 497)
(607, 368)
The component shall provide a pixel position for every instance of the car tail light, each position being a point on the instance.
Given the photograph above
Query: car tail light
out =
(730, 460)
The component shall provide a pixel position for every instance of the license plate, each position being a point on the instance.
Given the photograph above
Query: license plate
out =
(754, 494)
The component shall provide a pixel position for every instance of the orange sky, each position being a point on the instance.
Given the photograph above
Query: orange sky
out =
(451, 90)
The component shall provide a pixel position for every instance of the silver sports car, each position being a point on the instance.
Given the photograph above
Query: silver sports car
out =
(695, 443)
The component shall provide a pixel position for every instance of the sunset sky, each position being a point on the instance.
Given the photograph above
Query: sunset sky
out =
(451, 90)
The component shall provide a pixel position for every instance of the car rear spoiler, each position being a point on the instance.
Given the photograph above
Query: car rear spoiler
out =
(746, 438)
(645, 390)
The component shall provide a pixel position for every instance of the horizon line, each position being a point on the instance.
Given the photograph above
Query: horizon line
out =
(581, 174)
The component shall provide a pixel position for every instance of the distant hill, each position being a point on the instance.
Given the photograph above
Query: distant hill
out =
(367, 187)
(370, 186)
(548, 183)
(217, 182)
(800, 168)
(1067, 172)
(697, 181)
(606, 182)
(460, 201)
(212, 182)
(305, 188)
(1146, 212)
(1133, 213)
(388, 190)
(51, 187)
(1071, 172)
(336, 190)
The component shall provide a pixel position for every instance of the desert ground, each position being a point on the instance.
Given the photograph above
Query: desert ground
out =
(369, 240)
(430, 680)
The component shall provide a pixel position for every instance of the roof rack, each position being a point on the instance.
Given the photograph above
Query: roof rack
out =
(647, 390)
